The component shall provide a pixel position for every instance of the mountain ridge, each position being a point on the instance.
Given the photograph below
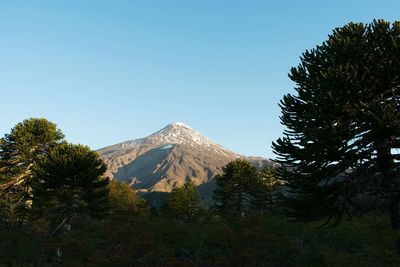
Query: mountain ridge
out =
(168, 158)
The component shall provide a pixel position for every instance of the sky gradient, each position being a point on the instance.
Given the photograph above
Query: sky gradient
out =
(110, 71)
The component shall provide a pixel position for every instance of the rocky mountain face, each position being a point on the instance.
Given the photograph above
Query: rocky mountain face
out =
(169, 158)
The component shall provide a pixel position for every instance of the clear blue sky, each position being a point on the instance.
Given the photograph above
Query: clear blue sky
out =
(109, 71)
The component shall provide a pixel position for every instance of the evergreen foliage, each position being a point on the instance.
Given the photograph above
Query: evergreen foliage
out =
(184, 202)
(270, 190)
(237, 188)
(256, 240)
(27, 143)
(69, 182)
(343, 125)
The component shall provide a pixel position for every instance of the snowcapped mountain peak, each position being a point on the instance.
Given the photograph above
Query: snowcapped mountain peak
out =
(166, 159)
(179, 124)
(180, 133)
(175, 127)
(172, 129)
(176, 133)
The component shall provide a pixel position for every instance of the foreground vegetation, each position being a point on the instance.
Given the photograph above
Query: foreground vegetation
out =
(338, 159)
(57, 208)
(251, 241)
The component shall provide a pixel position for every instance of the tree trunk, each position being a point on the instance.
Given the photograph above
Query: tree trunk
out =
(386, 167)
(240, 203)
(394, 213)
(387, 170)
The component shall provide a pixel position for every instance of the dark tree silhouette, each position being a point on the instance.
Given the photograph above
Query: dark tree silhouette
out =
(343, 125)
(237, 187)
(69, 182)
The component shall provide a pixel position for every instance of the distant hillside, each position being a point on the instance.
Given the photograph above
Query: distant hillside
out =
(169, 158)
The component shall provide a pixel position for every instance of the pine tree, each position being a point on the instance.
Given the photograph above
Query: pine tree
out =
(26, 144)
(237, 187)
(69, 183)
(184, 202)
(343, 125)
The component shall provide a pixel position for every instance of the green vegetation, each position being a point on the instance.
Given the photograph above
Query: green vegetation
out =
(26, 144)
(254, 240)
(183, 202)
(237, 188)
(58, 208)
(269, 191)
(343, 126)
(338, 155)
(68, 182)
(122, 199)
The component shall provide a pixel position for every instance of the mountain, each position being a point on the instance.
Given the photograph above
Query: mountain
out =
(169, 158)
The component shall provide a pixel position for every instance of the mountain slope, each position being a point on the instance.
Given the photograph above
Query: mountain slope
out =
(166, 159)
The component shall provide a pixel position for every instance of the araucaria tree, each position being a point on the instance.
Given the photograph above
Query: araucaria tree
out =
(270, 189)
(69, 182)
(27, 143)
(343, 125)
(184, 202)
(237, 188)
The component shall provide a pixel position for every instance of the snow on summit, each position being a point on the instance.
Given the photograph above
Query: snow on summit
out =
(177, 133)
(180, 133)
(166, 159)
(180, 124)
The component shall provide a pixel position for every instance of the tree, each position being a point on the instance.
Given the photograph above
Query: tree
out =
(10, 201)
(26, 144)
(269, 191)
(343, 125)
(184, 202)
(123, 200)
(122, 197)
(69, 182)
(237, 187)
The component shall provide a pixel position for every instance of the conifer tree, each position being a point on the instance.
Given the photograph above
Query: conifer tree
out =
(27, 143)
(184, 202)
(269, 191)
(237, 187)
(69, 182)
(343, 125)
